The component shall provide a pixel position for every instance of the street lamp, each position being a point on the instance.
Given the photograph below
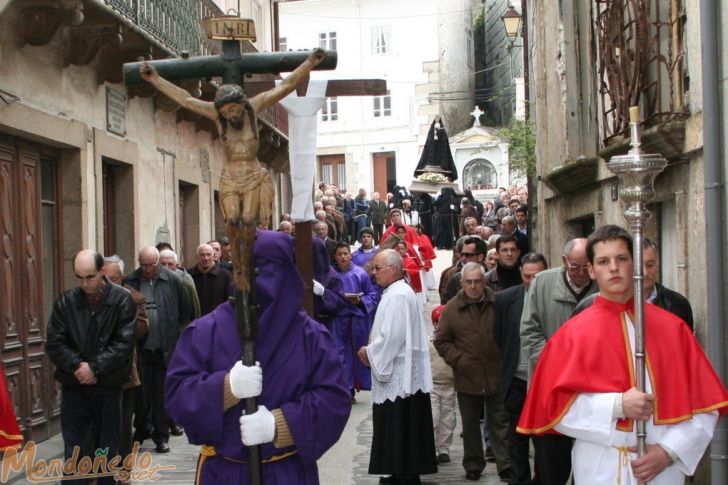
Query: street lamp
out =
(512, 22)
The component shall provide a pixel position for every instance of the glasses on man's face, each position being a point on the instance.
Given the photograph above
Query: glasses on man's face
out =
(574, 268)
(468, 255)
(147, 265)
(379, 267)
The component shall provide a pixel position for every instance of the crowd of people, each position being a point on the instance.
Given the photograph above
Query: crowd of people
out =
(513, 345)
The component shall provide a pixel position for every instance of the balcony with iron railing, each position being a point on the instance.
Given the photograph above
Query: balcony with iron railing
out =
(177, 24)
(640, 52)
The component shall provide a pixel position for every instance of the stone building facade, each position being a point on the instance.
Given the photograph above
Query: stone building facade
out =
(87, 162)
(426, 60)
(583, 78)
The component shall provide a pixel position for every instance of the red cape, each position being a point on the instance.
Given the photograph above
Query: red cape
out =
(427, 252)
(410, 235)
(10, 436)
(590, 354)
(412, 266)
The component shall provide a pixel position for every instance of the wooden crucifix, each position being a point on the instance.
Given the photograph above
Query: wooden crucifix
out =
(246, 189)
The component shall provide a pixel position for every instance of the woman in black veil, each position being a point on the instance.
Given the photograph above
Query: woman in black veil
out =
(446, 210)
(476, 203)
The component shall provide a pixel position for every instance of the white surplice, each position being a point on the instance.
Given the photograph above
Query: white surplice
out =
(398, 350)
(596, 456)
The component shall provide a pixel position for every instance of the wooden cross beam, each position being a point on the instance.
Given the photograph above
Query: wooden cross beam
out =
(231, 65)
(336, 87)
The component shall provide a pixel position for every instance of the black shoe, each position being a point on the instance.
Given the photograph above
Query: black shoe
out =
(162, 447)
(176, 430)
(505, 475)
(472, 476)
(443, 458)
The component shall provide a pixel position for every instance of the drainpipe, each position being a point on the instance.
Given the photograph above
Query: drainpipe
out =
(715, 240)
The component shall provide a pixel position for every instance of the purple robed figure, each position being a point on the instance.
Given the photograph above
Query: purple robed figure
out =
(326, 305)
(352, 323)
(361, 257)
(302, 379)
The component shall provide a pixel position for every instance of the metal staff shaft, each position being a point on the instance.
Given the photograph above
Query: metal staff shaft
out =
(639, 334)
(637, 172)
(247, 318)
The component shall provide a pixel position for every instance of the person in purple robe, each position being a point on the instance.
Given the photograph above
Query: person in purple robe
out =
(353, 320)
(299, 379)
(364, 253)
(327, 292)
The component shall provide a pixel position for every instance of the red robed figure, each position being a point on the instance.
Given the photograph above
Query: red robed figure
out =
(591, 354)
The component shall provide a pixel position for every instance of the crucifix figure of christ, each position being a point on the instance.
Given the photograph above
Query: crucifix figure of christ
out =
(246, 188)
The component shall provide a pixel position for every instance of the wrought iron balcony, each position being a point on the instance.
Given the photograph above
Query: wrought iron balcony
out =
(176, 24)
(640, 62)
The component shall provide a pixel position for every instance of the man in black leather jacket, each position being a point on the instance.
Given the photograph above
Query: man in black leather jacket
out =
(89, 340)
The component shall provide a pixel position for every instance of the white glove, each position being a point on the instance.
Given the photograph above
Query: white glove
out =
(246, 381)
(257, 428)
(318, 288)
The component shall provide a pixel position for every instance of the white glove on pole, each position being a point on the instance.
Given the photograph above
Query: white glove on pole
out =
(257, 428)
(318, 288)
(246, 381)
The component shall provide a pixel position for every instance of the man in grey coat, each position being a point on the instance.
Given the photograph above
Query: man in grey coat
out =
(168, 310)
(549, 303)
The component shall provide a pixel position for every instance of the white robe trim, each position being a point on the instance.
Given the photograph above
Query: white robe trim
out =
(398, 350)
(596, 457)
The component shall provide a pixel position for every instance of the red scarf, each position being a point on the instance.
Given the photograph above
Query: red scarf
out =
(590, 354)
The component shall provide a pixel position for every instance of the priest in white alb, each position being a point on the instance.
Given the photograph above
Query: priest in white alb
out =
(403, 442)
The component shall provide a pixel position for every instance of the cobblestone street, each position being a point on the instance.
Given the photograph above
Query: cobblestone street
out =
(346, 463)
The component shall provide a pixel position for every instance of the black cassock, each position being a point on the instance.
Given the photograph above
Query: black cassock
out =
(446, 210)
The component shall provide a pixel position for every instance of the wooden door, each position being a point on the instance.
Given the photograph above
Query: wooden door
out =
(385, 172)
(23, 274)
(379, 167)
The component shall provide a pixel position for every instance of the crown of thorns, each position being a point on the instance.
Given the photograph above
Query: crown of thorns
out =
(229, 93)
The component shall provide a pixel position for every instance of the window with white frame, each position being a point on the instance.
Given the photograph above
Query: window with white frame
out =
(327, 40)
(381, 39)
(258, 19)
(283, 44)
(330, 110)
(383, 105)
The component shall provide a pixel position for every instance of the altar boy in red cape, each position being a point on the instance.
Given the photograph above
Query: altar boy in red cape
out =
(584, 382)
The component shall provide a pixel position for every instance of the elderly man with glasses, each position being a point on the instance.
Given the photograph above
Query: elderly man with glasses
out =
(465, 341)
(550, 302)
(403, 442)
(168, 310)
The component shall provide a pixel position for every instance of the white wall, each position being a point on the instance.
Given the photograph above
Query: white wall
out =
(415, 40)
